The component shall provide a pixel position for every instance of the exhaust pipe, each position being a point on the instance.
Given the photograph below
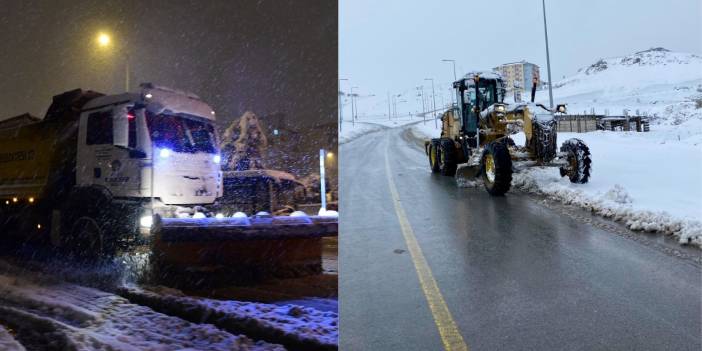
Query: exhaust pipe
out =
(533, 88)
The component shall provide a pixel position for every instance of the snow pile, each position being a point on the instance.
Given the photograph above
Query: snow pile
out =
(8, 342)
(634, 181)
(351, 131)
(426, 130)
(662, 84)
(66, 316)
(291, 325)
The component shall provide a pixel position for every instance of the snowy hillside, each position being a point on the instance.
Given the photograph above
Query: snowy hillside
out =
(663, 84)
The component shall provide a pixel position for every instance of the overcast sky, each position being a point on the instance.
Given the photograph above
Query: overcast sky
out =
(395, 44)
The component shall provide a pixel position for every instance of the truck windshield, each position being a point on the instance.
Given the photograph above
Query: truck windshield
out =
(181, 134)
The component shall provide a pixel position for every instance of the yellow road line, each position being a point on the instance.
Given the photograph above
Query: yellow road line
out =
(450, 335)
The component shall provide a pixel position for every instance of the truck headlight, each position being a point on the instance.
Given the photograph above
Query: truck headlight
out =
(146, 221)
(164, 153)
(217, 159)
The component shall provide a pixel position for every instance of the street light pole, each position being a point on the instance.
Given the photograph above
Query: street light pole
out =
(548, 60)
(126, 74)
(454, 75)
(353, 107)
(389, 108)
(341, 106)
(433, 102)
(454, 68)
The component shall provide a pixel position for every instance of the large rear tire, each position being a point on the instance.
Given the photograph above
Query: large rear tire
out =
(87, 225)
(578, 162)
(496, 166)
(433, 156)
(447, 158)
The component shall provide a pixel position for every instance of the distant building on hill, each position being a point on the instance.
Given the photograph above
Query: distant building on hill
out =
(518, 77)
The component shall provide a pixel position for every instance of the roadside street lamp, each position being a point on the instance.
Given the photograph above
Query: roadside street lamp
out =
(548, 60)
(104, 41)
(454, 75)
(433, 103)
(341, 106)
(353, 107)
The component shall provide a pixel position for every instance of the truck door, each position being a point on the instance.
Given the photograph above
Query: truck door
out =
(104, 152)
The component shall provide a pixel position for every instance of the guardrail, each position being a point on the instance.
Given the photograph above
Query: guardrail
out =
(590, 123)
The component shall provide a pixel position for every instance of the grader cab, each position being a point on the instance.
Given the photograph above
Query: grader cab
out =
(475, 137)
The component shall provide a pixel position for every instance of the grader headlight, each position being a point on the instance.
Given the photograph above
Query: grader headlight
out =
(500, 108)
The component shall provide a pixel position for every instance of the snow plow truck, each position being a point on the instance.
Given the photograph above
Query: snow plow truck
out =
(102, 172)
(475, 140)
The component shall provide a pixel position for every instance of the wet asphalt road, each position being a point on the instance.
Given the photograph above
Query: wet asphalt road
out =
(514, 274)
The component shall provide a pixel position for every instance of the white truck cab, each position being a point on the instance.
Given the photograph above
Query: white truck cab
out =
(157, 144)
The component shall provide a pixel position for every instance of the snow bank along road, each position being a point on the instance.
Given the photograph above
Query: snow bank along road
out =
(428, 265)
(39, 312)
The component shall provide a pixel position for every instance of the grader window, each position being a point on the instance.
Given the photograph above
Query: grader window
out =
(99, 128)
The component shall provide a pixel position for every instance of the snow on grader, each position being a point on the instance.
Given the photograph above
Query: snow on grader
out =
(106, 173)
(475, 140)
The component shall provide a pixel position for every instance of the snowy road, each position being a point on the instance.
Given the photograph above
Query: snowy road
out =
(55, 305)
(511, 273)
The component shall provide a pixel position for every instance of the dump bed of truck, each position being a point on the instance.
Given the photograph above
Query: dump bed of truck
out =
(36, 154)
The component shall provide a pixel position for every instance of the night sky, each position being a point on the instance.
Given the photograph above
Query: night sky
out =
(270, 57)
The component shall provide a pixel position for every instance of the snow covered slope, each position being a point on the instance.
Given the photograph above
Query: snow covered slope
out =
(663, 84)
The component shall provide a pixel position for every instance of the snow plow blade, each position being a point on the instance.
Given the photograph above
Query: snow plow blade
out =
(204, 251)
(466, 172)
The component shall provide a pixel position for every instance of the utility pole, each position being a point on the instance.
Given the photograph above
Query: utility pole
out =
(424, 108)
(433, 103)
(353, 108)
(389, 108)
(548, 60)
(341, 105)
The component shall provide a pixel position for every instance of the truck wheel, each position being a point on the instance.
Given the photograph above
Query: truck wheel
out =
(578, 162)
(447, 159)
(496, 167)
(86, 232)
(433, 157)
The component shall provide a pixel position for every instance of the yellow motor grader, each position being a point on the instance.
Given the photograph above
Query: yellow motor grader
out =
(475, 137)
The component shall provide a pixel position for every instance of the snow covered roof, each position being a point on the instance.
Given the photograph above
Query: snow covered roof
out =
(483, 74)
(159, 100)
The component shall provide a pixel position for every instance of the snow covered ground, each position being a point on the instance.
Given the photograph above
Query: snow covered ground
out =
(41, 310)
(8, 342)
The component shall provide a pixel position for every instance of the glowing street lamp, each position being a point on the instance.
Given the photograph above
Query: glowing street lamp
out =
(104, 41)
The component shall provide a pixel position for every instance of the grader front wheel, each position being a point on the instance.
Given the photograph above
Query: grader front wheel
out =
(496, 168)
(447, 162)
(578, 162)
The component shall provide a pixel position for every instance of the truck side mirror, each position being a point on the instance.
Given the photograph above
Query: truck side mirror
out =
(120, 126)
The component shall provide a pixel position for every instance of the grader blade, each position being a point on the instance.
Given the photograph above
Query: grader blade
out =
(206, 250)
(467, 172)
